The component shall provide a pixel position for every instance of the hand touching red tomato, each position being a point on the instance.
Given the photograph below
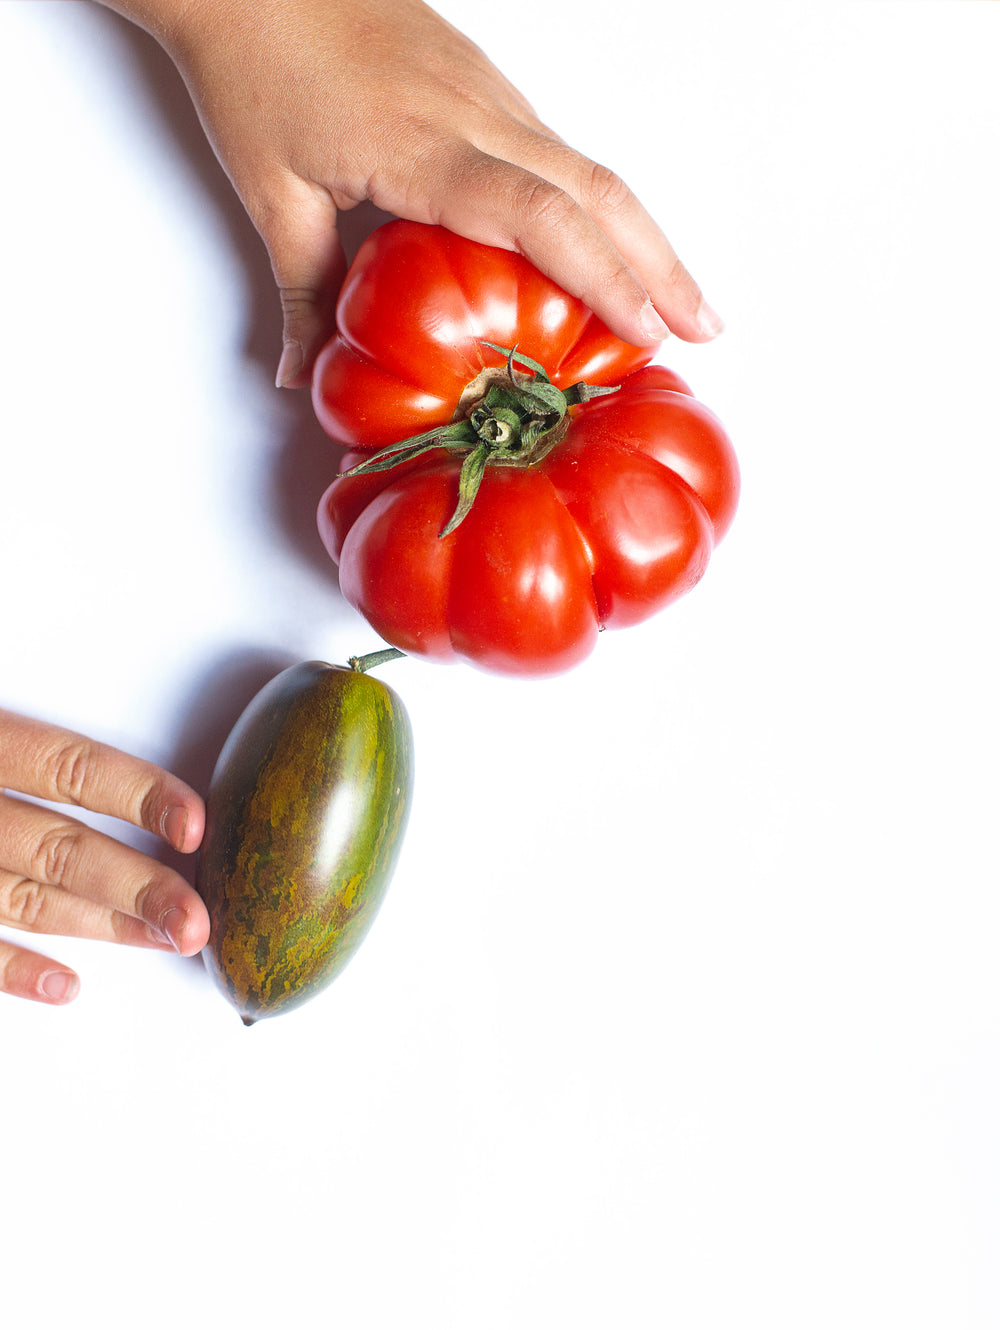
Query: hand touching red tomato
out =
(534, 506)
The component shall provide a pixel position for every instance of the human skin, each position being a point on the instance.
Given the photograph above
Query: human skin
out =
(314, 106)
(59, 876)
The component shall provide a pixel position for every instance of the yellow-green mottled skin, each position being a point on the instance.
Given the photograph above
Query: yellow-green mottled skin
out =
(306, 815)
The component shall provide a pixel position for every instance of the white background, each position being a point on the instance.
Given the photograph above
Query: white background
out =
(684, 1007)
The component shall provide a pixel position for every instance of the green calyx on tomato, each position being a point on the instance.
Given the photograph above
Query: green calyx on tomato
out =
(511, 418)
(602, 529)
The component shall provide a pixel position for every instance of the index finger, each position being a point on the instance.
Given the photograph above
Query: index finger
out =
(621, 217)
(57, 764)
(593, 252)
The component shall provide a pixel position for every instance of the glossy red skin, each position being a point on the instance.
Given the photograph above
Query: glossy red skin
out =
(615, 523)
(618, 520)
(414, 310)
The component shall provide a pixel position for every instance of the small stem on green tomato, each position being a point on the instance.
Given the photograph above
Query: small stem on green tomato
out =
(362, 664)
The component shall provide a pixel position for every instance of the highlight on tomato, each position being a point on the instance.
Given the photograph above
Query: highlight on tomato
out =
(518, 477)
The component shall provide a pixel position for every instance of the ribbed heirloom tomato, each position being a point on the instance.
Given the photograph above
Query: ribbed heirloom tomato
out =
(528, 478)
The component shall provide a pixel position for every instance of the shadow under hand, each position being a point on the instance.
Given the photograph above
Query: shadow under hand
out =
(306, 461)
(309, 459)
(215, 706)
(214, 709)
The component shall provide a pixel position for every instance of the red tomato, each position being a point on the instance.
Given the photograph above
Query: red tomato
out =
(414, 311)
(598, 530)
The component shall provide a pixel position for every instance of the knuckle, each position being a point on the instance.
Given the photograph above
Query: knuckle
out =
(430, 157)
(23, 904)
(57, 853)
(605, 191)
(71, 767)
(546, 203)
(298, 302)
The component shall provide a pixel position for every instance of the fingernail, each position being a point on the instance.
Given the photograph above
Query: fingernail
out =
(175, 826)
(708, 321)
(651, 324)
(172, 923)
(60, 985)
(289, 364)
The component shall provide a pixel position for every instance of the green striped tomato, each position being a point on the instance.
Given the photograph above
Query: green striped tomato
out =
(306, 814)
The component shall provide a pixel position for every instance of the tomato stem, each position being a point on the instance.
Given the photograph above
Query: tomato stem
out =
(517, 421)
(362, 664)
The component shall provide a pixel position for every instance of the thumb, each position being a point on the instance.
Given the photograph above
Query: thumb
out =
(309, 267)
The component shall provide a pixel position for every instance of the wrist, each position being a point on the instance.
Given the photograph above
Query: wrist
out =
(174, 24)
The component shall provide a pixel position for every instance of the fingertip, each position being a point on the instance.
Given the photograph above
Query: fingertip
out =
(709, 323)
(197, 933)
(195, 827)
(700, 324)
(183, 826)
(299, 352)
(651, 326)
(58, 986)
(309, 266)
(679, 300)
(290, 366)
(187, 929)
